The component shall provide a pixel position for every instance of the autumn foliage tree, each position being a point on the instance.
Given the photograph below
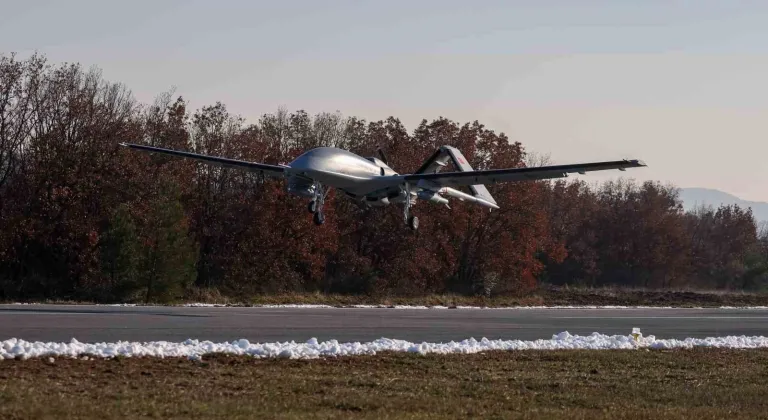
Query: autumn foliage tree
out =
(82, 218)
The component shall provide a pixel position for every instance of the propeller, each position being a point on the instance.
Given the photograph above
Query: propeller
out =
(382, 155)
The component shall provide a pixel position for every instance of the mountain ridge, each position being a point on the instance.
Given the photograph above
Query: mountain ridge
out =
(695, 196)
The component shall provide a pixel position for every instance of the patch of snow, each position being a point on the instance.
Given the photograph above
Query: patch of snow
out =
(380, 306)
(744, 307)
(321, 306)
(195, 349)
(295, 306)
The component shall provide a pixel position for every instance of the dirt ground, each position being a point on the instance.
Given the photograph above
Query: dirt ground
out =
(574, 384)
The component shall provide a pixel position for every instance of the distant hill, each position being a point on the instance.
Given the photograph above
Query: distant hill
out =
(693, 197)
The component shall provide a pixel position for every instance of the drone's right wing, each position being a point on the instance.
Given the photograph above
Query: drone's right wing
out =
(270, 170)
(492, 176)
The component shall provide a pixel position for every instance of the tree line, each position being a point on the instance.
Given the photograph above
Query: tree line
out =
(83, 218)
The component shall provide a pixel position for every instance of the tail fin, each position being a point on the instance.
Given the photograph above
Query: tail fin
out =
(440, 159)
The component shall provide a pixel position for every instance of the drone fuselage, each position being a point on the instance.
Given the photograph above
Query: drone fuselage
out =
(337, 168)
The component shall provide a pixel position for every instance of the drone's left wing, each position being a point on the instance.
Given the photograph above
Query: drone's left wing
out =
(271, 170)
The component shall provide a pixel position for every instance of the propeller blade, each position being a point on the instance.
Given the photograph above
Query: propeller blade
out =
(382, 155)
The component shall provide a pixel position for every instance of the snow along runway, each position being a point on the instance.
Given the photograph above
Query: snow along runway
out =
(13, 348)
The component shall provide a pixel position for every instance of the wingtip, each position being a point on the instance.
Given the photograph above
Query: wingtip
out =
(486, 203)
(636, 162)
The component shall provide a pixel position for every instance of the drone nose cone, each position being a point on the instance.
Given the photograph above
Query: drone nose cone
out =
(323, 159)
(306, 162)
(314, 161)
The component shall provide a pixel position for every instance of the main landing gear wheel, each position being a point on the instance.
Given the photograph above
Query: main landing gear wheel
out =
(312, 207)
(319, 218)
(413, 223)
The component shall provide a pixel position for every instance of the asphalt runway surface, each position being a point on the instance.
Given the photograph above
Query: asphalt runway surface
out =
(113, 323)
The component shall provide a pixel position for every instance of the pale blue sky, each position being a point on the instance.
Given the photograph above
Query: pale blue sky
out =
(679, 84)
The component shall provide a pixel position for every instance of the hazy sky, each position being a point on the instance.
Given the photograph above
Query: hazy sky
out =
(682, 85)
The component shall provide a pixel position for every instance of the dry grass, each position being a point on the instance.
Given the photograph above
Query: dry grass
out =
(701, 384)
(543, 297)
(651, 297)
(552, 296)
(428, 300)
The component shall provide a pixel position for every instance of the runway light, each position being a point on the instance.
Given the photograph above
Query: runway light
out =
(636, 334)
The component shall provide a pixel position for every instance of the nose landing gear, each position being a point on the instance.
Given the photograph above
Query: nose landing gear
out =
(316, 205)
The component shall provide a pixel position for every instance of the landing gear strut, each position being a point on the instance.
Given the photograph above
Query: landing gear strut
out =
(319, 218)
(316, 205)
(411, 221)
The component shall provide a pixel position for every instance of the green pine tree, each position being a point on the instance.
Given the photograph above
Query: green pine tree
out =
(169, 261)
(120, 257)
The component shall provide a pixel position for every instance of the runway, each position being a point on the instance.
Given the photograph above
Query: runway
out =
(96, 324)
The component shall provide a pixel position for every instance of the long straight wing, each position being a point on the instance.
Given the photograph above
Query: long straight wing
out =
(457, 179)
(271, 170)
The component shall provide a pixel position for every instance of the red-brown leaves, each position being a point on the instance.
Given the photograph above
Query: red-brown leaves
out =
(81, 217)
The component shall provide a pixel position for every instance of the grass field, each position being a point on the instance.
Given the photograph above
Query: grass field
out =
(699, 383)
